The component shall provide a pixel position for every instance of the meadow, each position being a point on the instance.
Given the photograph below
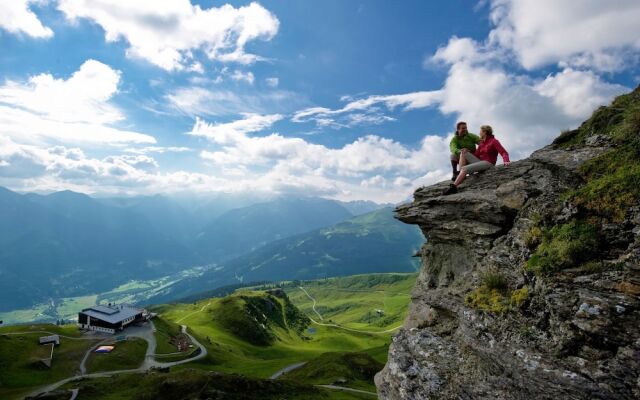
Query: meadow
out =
(375, 304)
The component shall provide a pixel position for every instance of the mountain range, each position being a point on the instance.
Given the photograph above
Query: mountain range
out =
(68, 244)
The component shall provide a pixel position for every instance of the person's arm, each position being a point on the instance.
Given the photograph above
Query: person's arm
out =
(502, 152)
(476, 138)
(453, 146)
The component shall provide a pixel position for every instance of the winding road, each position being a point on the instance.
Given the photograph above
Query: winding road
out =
(144, 332)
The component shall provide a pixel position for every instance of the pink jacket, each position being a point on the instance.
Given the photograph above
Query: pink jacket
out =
(488, 150)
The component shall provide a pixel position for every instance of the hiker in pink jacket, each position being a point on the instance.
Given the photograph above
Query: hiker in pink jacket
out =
(482, 159)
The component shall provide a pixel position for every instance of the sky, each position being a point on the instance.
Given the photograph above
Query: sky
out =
(351, 100)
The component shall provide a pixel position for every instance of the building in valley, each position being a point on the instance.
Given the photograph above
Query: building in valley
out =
(110, 319)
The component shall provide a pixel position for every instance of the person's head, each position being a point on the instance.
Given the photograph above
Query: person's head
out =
(461, 128)
(486, 131)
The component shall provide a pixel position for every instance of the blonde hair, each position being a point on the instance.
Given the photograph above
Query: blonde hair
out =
(488, 129)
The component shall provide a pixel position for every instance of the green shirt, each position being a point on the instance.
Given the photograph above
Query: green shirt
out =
(468, 141)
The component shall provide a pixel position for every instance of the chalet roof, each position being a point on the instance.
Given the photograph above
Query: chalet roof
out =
(112, 315)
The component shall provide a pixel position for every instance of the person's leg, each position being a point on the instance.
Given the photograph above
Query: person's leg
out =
(470, 158)
(454, 165)
(470, 169)
(467, 169)
(478, 167)
(460, 178)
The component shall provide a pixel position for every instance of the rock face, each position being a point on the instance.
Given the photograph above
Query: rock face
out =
(577, 333)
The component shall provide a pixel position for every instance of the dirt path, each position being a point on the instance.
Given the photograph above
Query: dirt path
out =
(314, 302)
(286, 369)
(340, 326)
(193, 313)
(346, 389)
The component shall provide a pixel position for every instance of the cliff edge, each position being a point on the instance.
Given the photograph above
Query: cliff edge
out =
(530, 278)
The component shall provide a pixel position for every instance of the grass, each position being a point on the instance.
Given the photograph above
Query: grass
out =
(21, 372)
(355, 369)
(347, 301)
(612, 180)
(191, 383)
(166, 334)
(611, 186)
(350, 302)
(496, 301)
(126, 355)
(564, 246)
(494, 280)
(353, 301)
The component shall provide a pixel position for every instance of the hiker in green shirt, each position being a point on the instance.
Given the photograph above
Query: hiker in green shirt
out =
(463, 139)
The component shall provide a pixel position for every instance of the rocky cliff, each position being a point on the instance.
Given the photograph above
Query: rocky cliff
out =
(530, 277)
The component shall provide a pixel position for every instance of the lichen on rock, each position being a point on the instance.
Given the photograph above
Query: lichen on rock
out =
(563, 326)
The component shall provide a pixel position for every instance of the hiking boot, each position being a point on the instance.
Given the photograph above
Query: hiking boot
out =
(451, 190)
(455, 175)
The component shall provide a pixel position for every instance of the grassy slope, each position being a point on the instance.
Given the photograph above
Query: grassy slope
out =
(126, 355)
(354, 369)
(356, 297)
(198, 384)
(165, 332)
(611, 187)
(17, 352)
(352, 301)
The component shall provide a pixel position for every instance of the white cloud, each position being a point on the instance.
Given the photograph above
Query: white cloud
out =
(588, 33)
(233, 132)
(526, 113)
(198, 101)
(272, 82)
(35, 168)
(167, 33)
(196, 67)
(277, 163)
(77, 109)
(458, 49)
(17, 17)
(243, 76)
(578, 93)
(158, 149)
(366, 110)
(81, 98)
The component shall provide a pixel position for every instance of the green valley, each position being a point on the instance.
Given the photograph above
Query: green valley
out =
(280, 338)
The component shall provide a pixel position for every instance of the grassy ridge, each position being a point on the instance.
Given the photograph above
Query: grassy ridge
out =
(349, 301)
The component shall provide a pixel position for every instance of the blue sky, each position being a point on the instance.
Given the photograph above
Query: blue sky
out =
(341, 99)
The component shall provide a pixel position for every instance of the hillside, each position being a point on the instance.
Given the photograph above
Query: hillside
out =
(129, 249)
(197, 385)
(87, 247)
(368, 243)
(241, 230)
(530, 286)
(257, 332)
